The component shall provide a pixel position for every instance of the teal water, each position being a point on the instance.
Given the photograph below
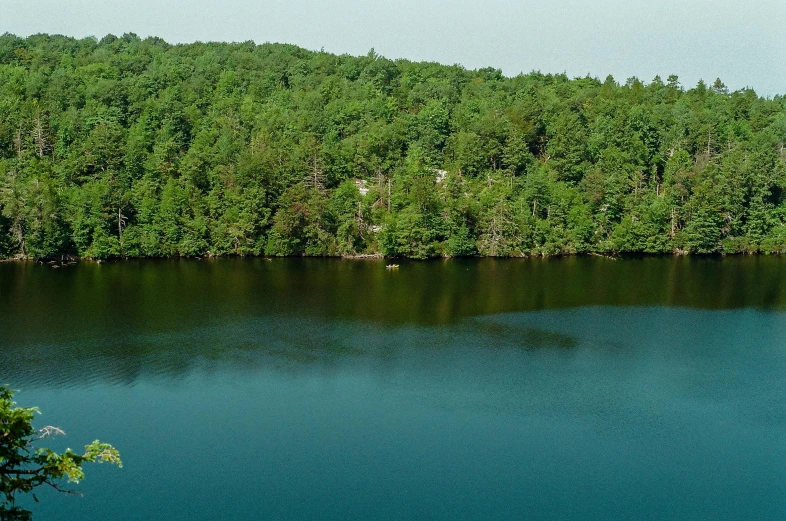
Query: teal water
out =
(570, 389)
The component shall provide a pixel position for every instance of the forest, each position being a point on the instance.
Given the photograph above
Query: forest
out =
(132, 147)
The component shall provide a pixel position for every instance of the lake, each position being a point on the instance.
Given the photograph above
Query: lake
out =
(581, 388)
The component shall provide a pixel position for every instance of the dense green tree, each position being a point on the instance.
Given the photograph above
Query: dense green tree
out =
(127, 147)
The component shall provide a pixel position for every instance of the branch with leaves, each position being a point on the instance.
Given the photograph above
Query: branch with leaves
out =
(24, 466)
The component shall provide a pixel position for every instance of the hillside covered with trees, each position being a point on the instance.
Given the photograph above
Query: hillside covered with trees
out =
(129, 147)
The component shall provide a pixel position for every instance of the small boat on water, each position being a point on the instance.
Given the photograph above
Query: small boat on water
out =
(392, 266)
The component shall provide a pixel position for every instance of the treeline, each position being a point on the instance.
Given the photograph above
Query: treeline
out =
(129, 147)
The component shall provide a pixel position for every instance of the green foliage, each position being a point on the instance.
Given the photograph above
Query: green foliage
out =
(461, 244)
(25, 467)
(127, 147)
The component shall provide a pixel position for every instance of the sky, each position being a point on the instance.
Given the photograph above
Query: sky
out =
(741, 42)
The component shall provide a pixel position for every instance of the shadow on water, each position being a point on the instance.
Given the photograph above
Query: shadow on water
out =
(156, 291)
(435, 292)
(118, 321)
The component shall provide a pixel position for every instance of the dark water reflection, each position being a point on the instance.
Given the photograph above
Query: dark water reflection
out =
(579, 388)
(153, 293)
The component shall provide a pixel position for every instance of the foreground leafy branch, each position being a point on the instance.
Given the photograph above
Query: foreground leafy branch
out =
(24, 466)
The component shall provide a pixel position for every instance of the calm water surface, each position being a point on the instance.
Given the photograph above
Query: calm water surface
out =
(571, 389)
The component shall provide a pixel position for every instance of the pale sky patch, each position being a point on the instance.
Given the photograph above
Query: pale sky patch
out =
(743, 43)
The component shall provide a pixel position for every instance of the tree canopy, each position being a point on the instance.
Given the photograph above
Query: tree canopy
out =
(24, 466)
(131, 147)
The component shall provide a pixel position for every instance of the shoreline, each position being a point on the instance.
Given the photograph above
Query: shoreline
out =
(380, 257)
